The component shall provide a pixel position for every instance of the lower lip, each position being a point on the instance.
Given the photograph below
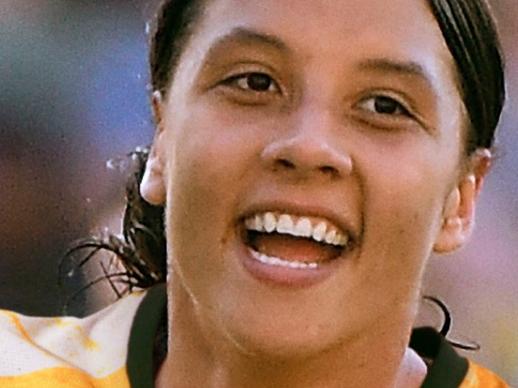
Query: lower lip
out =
(287, 277)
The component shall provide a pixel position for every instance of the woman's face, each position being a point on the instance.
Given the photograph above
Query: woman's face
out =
(340, 115)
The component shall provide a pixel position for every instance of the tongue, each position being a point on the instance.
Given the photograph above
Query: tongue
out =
(294, 248)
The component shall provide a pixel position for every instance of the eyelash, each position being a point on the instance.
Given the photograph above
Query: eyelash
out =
(400, 108)
(235, 80)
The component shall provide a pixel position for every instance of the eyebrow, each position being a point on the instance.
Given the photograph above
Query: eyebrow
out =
(250, 36)
(401, 68)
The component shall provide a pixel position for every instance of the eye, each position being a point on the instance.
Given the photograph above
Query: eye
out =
(384, 105)
(255, 82)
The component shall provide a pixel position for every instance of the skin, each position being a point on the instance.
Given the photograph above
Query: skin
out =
(313, 139)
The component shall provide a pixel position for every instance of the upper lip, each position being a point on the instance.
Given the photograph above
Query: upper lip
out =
(302, 209)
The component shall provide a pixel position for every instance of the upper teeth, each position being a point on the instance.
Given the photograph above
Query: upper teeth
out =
(317, 229)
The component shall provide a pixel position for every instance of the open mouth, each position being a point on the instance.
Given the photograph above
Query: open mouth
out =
(296, 242)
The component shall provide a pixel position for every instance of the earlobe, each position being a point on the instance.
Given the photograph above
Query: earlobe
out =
(152, 186)
(459, 208)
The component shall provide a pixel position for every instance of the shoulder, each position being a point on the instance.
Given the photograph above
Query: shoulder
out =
(67, 351)
(480, 377)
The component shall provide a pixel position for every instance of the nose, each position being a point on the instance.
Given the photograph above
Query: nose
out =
(310, 148)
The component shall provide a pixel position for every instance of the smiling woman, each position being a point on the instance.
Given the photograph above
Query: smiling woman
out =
(309, 157)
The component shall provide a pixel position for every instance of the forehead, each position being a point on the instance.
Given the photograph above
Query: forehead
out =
(331, 24)
(338, 14)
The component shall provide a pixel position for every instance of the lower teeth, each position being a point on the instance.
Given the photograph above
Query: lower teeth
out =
(277, 262)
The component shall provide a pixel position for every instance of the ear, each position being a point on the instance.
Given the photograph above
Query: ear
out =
(152, 186)
(459, 208)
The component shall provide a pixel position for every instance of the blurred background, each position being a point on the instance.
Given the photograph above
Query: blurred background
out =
(74, 94)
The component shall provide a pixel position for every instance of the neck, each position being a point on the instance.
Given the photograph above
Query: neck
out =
(200, 356)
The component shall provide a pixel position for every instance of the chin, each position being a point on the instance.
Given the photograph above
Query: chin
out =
(281, 346)
(281, 339)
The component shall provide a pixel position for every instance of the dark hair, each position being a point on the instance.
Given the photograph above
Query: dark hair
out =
(172, 28)
(470, 34)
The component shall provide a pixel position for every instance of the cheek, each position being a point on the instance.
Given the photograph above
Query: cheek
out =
(213, 158)
(214, 155)
(217, 149)
(403, 196)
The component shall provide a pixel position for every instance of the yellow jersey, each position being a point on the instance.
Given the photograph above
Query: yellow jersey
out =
(116, 348)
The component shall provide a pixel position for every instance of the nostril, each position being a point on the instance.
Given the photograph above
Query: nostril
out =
(285, 163)
(329, 170)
